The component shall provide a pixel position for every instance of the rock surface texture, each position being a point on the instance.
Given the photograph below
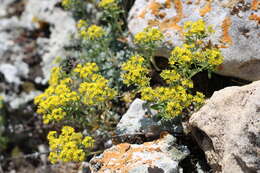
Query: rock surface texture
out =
(141, 121)
(160, 156)
(227, 128)
(236, 23)
(32, 34)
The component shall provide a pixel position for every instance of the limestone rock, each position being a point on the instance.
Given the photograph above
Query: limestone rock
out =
(236, 24)
(140, 119)
(29, 42)
(227, 128)
(10, 73)
(161, 155)
(62, 26)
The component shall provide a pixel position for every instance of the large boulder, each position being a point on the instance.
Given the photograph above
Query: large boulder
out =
(227, 128)
(236, 24)
(160, 156)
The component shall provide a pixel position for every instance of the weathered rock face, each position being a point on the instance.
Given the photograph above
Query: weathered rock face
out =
(227, 128)
(141, 120)
(62, 26)
(236, 24)
(158, 156)
(32, 34)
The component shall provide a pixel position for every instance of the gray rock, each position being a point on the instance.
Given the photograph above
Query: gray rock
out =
(10, 73)
(227, 128)
(27, 55)
(140, 119)
(15, 101)
(3, 7)
(62, 27)
(236, 24)
(157, 156)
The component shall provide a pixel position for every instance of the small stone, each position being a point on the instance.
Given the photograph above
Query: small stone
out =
(160, 155)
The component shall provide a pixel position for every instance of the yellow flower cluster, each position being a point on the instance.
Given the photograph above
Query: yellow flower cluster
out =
(68, 146)
(1, 102)
(197, 28)
(185, 62)
(136, 73)
(65, 93)
(55, 75)
(180, 55)
(53, 101)
(97, 91)
(87, 70)
(213, 56)
(185, 57)
(94, 32)
(173, 99)
(81, 24)
(170, 76)
(108, 4)
(66, 3)
(148, 36)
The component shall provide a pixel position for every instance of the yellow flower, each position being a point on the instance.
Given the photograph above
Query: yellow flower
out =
(148, 36)
(170, 76)
(214, 57)
(87, 70)
(66, 3)
(108, 4)
(94, 32)
(68, 146)
(199, 98)
(197, 28)
(88, 142)
(81, 23)
(55, 75)
(135, 71)
(148, 94)
(181, 56)
(96, 92)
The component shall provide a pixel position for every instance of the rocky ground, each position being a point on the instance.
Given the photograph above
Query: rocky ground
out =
(223, 136)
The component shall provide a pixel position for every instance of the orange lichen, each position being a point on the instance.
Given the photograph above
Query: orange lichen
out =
(120, 157)
(226, 38)
(205, 9)
(155, 7)
(255, 4)
(166, 24)
(162, 15)
(179, 9)
(254, 17)
(197, 2)
(168, 3)
(188, 1)
(153, 23)
(142, 14)
(172, 23)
